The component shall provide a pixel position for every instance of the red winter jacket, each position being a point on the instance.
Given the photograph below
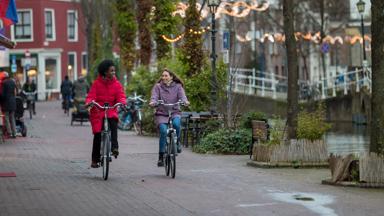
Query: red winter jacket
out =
(104, 91)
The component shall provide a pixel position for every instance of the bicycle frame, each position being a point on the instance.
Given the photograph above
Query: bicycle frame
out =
(170, 145)
(105, 148)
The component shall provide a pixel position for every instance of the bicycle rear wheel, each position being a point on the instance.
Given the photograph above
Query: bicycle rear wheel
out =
(106, 155)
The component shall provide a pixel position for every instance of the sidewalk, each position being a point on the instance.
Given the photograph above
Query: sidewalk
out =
(53, 178)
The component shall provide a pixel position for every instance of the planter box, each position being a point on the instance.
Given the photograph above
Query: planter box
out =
(370, 171)
(298, 151)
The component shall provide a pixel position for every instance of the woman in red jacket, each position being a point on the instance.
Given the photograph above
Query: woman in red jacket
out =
(105, 89)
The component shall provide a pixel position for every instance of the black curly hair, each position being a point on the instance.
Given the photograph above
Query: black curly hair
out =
(103, 67)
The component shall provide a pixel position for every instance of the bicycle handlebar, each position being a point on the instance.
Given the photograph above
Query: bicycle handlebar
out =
(29, 93)
(105, 107)
(137, 98)
(161, 102)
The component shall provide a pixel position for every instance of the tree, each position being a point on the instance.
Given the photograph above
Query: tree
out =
(377, 124)
(293, 87)
(143, 18)
(98, 32)
(126, 28)
(163, 24)
(192, 53)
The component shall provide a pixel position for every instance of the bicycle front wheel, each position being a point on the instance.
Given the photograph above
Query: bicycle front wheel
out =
(106, 155)
(30, 110)
(138, 127)
(167, 164)
(172, 155)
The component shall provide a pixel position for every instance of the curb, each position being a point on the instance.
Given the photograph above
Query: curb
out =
(259, 164)
(353, 184)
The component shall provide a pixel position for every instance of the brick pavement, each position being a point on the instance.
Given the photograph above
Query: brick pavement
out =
(54, 178)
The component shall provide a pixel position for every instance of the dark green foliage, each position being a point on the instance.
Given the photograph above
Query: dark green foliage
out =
(211, 126)
(197, 87)
(225, 141)
(312, 125)
(142, 82)
(192, 52)
(148, 121)
(246, 119)
(163, 23)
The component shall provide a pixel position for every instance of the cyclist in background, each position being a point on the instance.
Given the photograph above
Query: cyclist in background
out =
(29, 87)
(169, 89)
(105, 89)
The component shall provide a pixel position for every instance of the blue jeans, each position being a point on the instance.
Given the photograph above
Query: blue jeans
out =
(163, 133)
(67, 101)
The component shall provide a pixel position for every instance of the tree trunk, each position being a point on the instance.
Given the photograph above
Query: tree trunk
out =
(322, 35)
(124, 18)
(377, 124)
(143, 15)
(290, 43)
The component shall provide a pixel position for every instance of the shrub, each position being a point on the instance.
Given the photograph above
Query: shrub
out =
(246, 120)
(142, 82)
(276, 131)
(312, 126)
(225, 141)
(148, 121)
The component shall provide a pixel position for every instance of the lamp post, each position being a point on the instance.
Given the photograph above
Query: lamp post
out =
(361, 8)
(213, 5)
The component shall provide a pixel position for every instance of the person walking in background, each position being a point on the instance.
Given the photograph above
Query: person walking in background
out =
(9, 104)
(66, 92)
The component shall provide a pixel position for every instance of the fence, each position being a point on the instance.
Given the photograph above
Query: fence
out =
(265, 84)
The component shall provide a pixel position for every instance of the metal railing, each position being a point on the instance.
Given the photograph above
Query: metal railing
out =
(265, 84)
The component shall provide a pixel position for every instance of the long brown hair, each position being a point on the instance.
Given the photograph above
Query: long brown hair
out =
(175, 78)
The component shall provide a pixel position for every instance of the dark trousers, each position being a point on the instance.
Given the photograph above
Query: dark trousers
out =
(97, 139)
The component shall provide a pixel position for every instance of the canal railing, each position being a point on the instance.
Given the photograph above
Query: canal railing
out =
(266, 84)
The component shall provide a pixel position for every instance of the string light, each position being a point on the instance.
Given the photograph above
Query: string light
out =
(236, 9)
(315, 38)
(179, 37)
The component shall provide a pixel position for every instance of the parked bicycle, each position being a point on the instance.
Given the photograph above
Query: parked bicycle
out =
(170, 145)
(105, 150)
(132, 117)
(30, 100)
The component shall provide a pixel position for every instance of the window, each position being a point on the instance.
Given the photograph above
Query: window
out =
(51, 73)
(22, 31)
(49, 25)
(84, 64)
(72, 25)
(72, 67)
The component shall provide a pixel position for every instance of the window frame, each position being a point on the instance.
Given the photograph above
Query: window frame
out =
(74, 66)
(83, 65)
(53, 25)
(75, 39)
(13, 27)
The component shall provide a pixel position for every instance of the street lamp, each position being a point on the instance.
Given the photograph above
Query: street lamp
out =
(213, 5)
(361, 8)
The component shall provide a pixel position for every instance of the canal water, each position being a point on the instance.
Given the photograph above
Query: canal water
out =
(346, 138)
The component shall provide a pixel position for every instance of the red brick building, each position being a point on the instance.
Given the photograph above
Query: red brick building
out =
(51, 43)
